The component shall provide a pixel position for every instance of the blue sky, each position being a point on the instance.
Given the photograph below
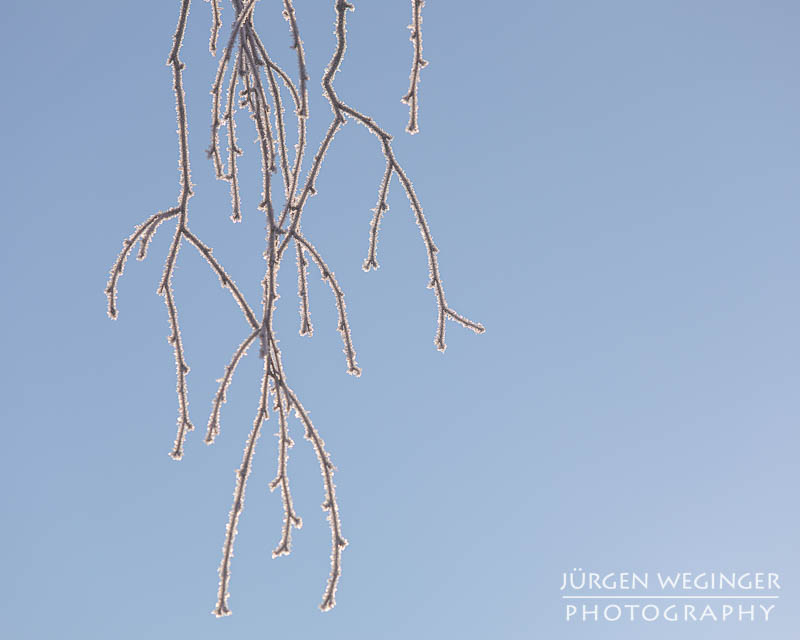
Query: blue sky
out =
(614, 191)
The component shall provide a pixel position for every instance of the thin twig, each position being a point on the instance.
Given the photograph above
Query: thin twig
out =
(245, 59)
(221, 608)
(225, 381)
(381, 208)
(306, 328)
(412, 97)
(343, 326)
(215, 25)
(290, 519)
(143, 233)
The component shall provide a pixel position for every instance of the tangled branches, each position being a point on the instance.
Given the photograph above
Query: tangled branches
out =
(255, 83)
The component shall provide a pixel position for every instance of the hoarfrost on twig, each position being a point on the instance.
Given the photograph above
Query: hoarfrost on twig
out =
(246, 63)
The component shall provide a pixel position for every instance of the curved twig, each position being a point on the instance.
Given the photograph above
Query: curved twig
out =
(245, 59)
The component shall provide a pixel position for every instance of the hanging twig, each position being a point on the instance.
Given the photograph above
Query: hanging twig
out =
(246, 63)
(412, 97)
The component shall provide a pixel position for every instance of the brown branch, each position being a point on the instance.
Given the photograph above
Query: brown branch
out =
(338, 119)
(444, 311)
(330, 505)
(306, 328)
(225, 280)
(338, 542)
(343, 326)
(259, 112)
(184, 423)
(245, 58)
(147, 236)
(301, 112)
(412, 97)
(309, 189)
(220, 397)
(216, 24)
(221, 608)
(339, 108)
(290, 518)
(374, 227)
(233, 150)
(297, 45)
(216, 90)
(165, 288)
(276, 97)
(143, 233)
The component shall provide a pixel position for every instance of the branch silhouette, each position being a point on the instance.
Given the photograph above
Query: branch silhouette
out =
(253, 82)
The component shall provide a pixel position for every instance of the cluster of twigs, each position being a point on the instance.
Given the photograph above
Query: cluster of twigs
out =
(255, 83)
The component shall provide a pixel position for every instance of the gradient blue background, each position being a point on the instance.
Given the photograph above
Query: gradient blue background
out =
(614, 190)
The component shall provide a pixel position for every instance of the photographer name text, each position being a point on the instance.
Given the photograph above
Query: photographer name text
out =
(683, 596)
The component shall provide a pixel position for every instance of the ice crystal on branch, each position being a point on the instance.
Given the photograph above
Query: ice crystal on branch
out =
(253, 82)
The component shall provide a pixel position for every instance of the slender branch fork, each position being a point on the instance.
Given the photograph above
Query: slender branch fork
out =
(246, 64)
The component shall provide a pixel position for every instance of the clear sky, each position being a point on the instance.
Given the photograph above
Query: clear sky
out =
(614, 188)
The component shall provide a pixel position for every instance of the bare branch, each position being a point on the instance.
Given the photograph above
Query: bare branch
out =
(244, 61)
(306, 328)
(412, 97)
(343, 326)
(143, 233)
(217, 23)
(225, 382)
(221, 608)
(184, 424)
(372, 259)
(290, 519)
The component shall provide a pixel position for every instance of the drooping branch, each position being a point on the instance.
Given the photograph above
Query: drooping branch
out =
(145, 232)
(344, 325)
(412, 97)
(225, 382)
(246, 63)
(290, 519)
(215, 25)
(382, 207)
(338, 542)
(221, 608)
(340, 109)
(306, 328)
